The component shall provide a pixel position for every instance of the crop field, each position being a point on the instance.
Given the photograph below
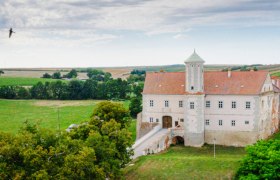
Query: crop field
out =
(37, 73)
(21, 81)
(181, 162)
(49, 114)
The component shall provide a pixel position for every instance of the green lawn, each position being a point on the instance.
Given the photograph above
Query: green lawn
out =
(132, 129)
(49, 114)
(20, 81)
(181, 162)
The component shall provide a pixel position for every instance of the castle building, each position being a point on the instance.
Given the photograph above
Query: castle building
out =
(233, 108)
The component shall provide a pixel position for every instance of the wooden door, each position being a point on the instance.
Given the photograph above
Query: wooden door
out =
(166, 122)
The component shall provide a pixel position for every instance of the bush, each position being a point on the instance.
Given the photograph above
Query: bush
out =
(261, 162)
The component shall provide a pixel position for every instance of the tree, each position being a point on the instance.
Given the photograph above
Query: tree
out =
(37, 91)
(8, 92)
(23, 93)
(42, 154)
(72, 74)
(89, 90)
(75, 88)
(135, 106)
(46, 75)
(107, 110)
(56, 75)
(261, 162)
(1, 72)
(59, 90)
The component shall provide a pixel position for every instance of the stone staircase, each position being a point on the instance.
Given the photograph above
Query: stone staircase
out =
(155, 141)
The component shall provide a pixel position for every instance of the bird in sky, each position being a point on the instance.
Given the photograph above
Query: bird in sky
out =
(11, 32)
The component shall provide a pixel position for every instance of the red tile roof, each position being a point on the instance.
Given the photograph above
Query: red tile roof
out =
(240, 83)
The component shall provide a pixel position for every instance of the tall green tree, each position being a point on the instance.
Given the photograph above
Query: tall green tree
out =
(107, 110)
(135, 106)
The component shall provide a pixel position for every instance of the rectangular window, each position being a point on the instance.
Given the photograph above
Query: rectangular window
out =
(180, 103)
(166, 103)
(176, 123)
(181, 120)
(208, 104)
(151, 103)
(248, 105)
(157, 120)
(220, 122)
(246, 122)
(233, 104)
(191, 105)
(233, 123)
(207, 122)
(220, 104)
(151, 119)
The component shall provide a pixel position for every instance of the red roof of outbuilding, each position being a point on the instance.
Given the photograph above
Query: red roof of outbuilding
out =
(240, 83)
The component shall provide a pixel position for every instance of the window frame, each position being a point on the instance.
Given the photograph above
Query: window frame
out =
(181, 104)
(208, 104)
(220, 122)
(207, 122)
(248, 105)
(166, 103)
(220, 104)
(233, 122)
(191, 105)
(151, 103)
(233, 105)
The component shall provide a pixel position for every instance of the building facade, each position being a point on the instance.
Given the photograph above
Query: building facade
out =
(230, 108)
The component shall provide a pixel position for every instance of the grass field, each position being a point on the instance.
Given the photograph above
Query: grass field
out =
(21, 81)
(181, 162)
(49, 114)
(276, 74)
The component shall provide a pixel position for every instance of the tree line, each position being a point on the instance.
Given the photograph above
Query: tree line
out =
(100, 85)
(73, 90)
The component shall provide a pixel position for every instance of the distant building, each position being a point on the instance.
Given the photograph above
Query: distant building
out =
(232, 108)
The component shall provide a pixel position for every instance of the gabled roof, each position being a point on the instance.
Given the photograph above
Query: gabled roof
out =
(240, 83)
(164, 83)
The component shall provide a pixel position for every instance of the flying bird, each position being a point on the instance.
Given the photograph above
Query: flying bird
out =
(11, 32)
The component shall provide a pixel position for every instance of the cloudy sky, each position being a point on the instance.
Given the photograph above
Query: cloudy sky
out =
(94, 33)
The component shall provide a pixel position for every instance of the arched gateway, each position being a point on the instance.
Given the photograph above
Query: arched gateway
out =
(166, 122)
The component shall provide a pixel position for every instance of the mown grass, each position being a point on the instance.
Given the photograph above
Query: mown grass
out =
(49, 114)
(22, 81)
(181, 162)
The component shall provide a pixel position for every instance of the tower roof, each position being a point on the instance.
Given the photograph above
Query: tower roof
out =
(194, 58)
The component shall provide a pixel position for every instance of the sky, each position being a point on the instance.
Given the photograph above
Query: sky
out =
(109, 33)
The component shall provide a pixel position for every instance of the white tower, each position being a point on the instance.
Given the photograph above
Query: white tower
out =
(194, 99)
(194, 73)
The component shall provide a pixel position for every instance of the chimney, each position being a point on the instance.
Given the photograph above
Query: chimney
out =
(229, 73)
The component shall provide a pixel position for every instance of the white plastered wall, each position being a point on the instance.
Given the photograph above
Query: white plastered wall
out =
(159, 110)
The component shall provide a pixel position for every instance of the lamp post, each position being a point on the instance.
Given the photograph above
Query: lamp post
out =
(214, 148)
